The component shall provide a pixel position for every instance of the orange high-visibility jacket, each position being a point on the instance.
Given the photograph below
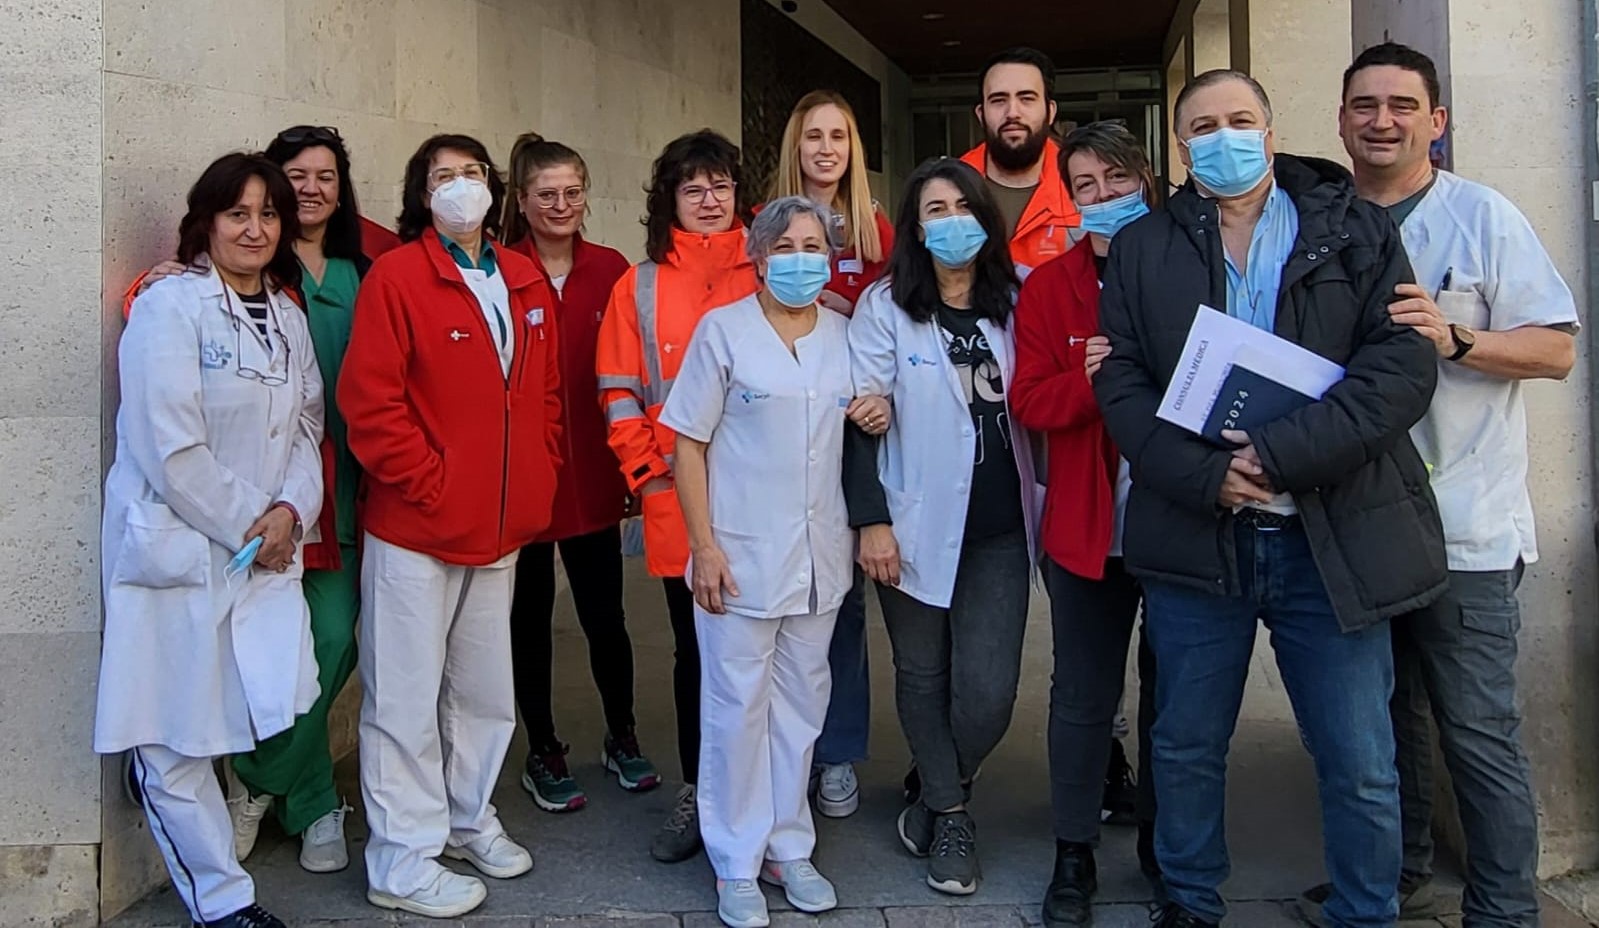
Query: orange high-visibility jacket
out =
(1041, 234)
(651, 315)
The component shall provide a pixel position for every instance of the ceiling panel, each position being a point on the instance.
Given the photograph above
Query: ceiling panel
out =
(948, 37)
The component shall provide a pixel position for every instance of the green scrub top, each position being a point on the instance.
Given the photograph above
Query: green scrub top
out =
(330, 311)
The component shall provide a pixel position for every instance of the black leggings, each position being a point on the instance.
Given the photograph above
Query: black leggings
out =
(685, 675)
(594, 568)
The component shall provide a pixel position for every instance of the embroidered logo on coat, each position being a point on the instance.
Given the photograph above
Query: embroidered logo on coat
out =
(917, 360)
(750, 396)
(214, 355)
(535, 316)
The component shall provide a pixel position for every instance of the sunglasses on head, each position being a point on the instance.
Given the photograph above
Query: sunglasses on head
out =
(300, 134)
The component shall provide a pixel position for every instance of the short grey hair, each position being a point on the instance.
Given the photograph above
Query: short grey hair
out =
(1217, 76)
(774, 219)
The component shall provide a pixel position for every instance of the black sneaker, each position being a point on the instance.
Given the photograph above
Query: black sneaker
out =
(952, 865)
(1120, 803)
(252, 916)
(1069, 899)
(1175, 916)
(916, 829)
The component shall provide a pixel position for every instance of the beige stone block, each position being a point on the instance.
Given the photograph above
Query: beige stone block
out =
(50, 886)
(47, 760)
(436, 50)
(50, 520)
(234, 46)
(569, 89)
(1554, 200)
(61, 38)
(1303, 78)
(646, 30)
(1487, 38)
(342, 54)
(1518, 120)
(510, 76)
(130, 864)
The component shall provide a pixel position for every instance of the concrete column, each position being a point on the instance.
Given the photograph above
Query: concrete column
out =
(50, 377)
(1177, 74)
(1519, 129)
(1211, 36)
(1302, 77)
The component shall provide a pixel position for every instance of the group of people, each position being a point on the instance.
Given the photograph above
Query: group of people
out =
(343, 450)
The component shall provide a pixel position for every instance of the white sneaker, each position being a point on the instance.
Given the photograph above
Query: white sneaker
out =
(838, 793)
(806, 889)
(499, 856)
(246, 813)
(322, 848)
(450, 895)
(740, 904)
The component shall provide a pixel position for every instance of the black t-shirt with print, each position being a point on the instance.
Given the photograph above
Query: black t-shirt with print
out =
(995, 507)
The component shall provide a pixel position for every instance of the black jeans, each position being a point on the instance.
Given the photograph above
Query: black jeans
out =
(685, 674)
(956, 669)
(1093, 624)
(594, 568)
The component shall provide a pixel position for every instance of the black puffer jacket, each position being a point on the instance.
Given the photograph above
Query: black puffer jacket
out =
(1360, 487)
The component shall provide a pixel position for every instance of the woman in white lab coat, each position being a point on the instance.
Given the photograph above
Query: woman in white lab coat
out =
(948, 524)
(217, 445)
(760, 408)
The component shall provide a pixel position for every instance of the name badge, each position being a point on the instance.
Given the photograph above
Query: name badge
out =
(535, 316)
(851, 266)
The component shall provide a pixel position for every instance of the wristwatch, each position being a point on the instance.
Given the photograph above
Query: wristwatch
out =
(1465, 340)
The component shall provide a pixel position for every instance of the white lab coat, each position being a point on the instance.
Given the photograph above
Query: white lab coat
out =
(1474, 435)
(187, 662)
(775, 425)
(926, 458)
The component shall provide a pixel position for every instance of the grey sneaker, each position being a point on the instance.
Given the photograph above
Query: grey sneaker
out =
(916, 829)
(679, 837)
(952, 865)
(740, 904)
(322, 847)
(838, 792)
(806, 889)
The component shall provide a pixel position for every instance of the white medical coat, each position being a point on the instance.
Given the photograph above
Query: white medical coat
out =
(1474, 436)
(774, 422)
(201, 453)
(926, 458)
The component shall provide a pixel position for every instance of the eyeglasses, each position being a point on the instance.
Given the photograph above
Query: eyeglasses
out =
(472, 170)
(574, 196)
(298, 134)
(722, 190)
(265, 378)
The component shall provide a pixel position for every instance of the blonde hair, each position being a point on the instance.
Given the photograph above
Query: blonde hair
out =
(531, 154)
(859, 212)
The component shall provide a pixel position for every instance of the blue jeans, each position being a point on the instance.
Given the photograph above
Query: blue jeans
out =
(1456, 663)
(1339, 684)
(849, 714)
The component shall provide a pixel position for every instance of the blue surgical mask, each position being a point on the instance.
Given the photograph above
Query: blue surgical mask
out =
(1229, 162)
(954, 240)
(1108, 217)
(241, 562)
(797, 278)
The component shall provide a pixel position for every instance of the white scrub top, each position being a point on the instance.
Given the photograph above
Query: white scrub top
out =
(774, 423)
(495, 301)
(216, 425)
(1474, 437)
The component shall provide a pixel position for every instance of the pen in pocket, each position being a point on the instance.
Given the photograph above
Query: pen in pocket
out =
(1449, 278)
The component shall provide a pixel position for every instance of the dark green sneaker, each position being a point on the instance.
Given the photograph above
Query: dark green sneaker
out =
(547, 780)
(952, 865)
(633, 770)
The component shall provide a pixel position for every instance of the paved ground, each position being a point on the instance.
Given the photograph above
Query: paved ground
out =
(593, 867)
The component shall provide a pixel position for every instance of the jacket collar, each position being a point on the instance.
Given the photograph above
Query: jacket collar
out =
(517, 274)
(1321, 190)
(1049, 203)
(526, 247)
(715, 251)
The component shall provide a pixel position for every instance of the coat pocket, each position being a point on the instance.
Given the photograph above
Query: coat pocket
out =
(755, 570)
(160, 550)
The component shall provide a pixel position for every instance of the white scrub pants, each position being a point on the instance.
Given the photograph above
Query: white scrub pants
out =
(189, 820)
(764, 690)
(437, 708)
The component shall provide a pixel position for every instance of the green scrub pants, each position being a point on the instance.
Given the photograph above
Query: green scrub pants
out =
(296, 766)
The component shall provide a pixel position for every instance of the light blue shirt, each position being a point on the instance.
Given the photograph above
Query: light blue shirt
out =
(1252, 295)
